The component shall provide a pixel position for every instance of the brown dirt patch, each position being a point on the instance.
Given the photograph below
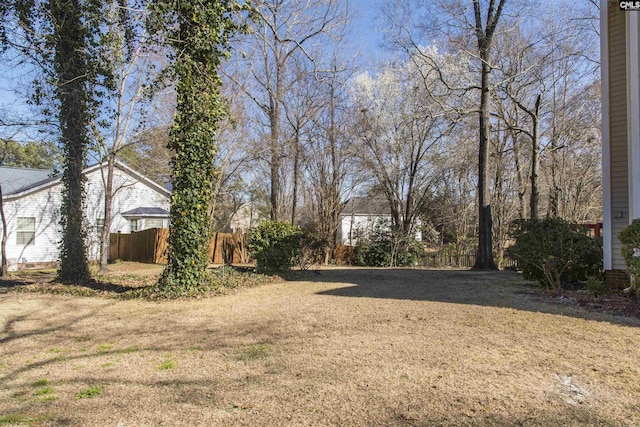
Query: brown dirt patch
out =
(614, 303)
(338, 347)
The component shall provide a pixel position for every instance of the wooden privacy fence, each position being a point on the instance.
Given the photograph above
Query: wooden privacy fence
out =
(447, 259)
(150, 246)
(346, 255)
(230, 248)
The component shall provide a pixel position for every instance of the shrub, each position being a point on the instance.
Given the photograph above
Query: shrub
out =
(274, 245)
(387, 248)
(630, 238)
(430, 236)
(554, 251)
(596, 287)
(312, 250)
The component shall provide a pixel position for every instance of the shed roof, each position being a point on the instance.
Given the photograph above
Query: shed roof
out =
(146, 212)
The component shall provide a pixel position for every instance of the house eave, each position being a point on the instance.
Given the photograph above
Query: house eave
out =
(142, 216)
(55, 181)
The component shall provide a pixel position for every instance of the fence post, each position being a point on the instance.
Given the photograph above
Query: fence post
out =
(118, 246)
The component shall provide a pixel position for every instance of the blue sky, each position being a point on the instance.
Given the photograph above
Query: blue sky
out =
(365, 39)
(366, 29)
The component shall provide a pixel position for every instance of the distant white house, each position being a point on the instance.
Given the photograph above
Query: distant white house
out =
(245, 218)
(359, 217)
(32, 198)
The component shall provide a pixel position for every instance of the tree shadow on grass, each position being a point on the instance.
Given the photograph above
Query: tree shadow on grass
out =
(48, 284)
(51, 325)
(486, 288)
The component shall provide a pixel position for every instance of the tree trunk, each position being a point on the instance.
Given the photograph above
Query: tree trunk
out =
(5, 269)
(275, 109)
(71, 67)
(520, 179)
(535, 162)
(275, 167)
(484, 258)
(108, 200)
(554, 191)
(296, 166)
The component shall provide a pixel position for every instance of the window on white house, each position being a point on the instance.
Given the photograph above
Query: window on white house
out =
(134, 225)
(153, 223)
(26, 231)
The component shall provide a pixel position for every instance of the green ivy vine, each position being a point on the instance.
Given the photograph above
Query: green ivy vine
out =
(197, 34)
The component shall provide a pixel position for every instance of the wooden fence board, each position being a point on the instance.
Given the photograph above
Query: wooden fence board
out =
(161, 246)
(442, 259)
(151, 246)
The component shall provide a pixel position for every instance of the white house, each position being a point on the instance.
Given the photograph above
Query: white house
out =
(359, 217)
(620, 66)
(245, 218)
(31, 201)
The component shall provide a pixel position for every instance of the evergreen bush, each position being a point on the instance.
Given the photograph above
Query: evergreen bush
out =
(388, 248)
(275, 245)
(630, 238)
(554, 251)
(596, 287)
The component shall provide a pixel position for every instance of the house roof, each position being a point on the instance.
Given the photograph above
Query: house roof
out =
(146, 212)
(366, 206)
(31, 185)
(15, 180)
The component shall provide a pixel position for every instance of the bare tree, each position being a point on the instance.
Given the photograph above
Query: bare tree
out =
(456, 21)
(232, 163)
(284, 31)
(485, 29)
(452, 205)
(572, 68)
(130, 64)
(402, 124)
(521, 63)
(5, 269)
(302, 108)
(329, 161)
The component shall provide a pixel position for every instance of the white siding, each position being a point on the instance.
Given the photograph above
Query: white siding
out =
(358, 226)
(44, 205)
(354, 226)
(130, 193)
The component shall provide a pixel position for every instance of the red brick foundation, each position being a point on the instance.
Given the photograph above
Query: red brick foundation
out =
(616, 279)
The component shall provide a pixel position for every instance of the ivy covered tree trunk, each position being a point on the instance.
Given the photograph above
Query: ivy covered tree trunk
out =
(65, 43)
(200, 42)
(71, 67)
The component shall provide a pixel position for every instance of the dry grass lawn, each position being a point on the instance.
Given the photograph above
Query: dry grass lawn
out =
(348, 347)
